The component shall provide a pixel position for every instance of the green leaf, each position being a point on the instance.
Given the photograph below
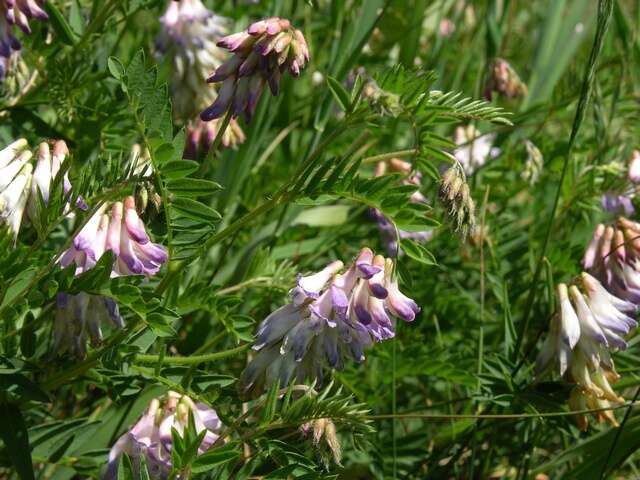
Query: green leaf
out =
(160, 325)
(193, 187)
(417, 252)
(59, 24)
(215, 457)
(178, 168)
(116, 69)
(16, 440)
(195, 210)
(323, 216)
(339, 93)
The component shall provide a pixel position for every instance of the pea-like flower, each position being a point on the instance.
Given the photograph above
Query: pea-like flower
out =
(151, 438)
(189, 34)
(78, 320)
(591, 323)
(633, 173)
(332, 316)
(386, 227)
(262, 53)
(122, 232)
(16, 12)
(613, 256)
(20, 184)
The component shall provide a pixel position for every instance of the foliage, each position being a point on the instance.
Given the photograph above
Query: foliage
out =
(453, 395)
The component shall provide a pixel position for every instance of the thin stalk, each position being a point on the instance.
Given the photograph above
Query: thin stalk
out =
(193, 359)
(605, 8)
(386, 156)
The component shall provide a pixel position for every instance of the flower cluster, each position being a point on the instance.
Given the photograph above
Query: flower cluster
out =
(590, 324)
(387, 229)
(331, 316)
(21, 185)
(122, 232)
(16, 12)
(79, 318)
(503, 80)
(262, 53)
(613, 256)
(151, 438)
(189, 33)
(474, 149)
(455, 195)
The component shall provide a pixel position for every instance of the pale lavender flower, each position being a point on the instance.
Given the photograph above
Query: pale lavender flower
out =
(613, 256)
(189, 34)
(122, 232)
(16, 12)
(262, 53)
(47, 168)
(78, 320)
(15, 183)
(590, 324)
(617, 203)
(634, 168)
(151, 438)
(332, 317)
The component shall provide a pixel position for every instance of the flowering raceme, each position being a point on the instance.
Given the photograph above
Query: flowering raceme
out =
(122, 232)
(20, 184)
(613, 256)
(189, 33)
(590, 324)
(16, 12)
(331, 316)
(151, 438)
(262, 53)
(387, 228)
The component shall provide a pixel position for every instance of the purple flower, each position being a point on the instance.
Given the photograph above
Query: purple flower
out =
(79, 318)
(262, 53)
(612, 257)
(123, 233)
(590, 324)
(332, 317)
(151, 438)
(17, 12)
(618, 203)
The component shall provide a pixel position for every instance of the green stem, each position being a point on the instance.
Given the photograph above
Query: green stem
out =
(605, 8)
(194, 359)
(386, 156)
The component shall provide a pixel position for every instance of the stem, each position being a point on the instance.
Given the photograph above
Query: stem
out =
(211, 155)
(194, 359)
(386, 156)
(604, 16)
